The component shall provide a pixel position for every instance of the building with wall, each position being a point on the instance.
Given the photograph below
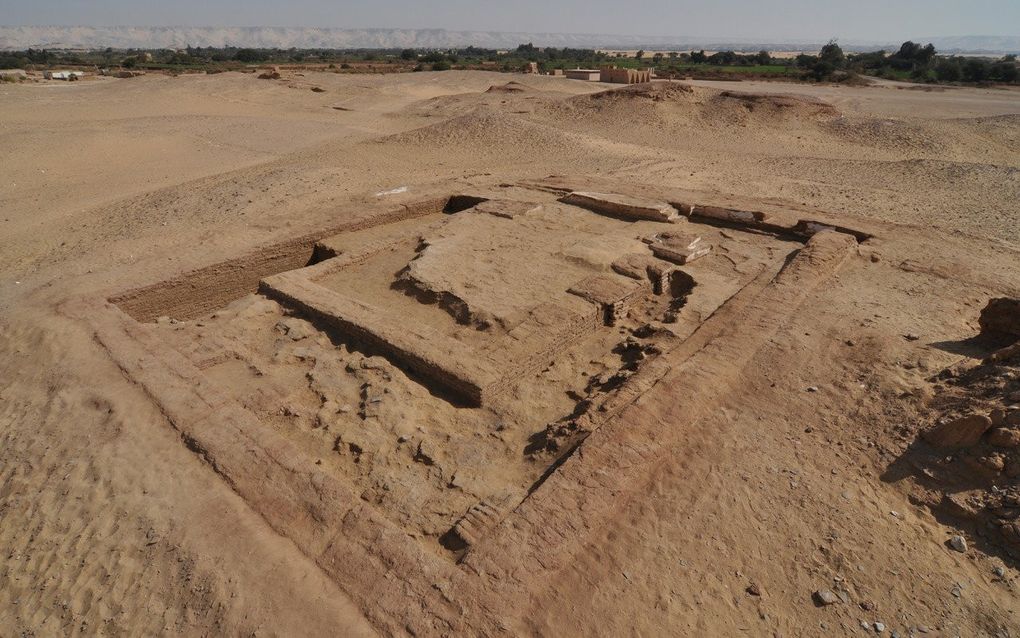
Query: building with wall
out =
(588, 75)
(624, 76)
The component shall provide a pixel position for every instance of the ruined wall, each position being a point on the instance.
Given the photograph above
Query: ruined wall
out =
(528, 347)
(204, 290)
(438, 361)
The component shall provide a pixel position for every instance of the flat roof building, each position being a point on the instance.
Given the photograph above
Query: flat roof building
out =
(589, 75)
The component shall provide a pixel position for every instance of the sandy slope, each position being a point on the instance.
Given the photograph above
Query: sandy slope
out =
(110, 526)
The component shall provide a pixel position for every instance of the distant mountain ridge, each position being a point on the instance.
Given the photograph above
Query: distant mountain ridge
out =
(89, 37)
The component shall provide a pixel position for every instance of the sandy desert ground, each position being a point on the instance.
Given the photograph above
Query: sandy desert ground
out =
(781, 456)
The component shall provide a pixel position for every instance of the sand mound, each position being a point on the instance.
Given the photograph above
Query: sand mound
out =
(655, 92)
(445, 106)
(487, 131)
(649, 104)
(657, 113)
(887, 134)
(509, 87)
(676, 102)
(772, 104)
(463, 103)
(961, 140)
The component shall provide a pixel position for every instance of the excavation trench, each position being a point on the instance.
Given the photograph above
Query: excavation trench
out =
(204, 290)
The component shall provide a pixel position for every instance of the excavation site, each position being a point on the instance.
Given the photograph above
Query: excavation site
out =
(444, 376)
(443, 362)
(465, 357)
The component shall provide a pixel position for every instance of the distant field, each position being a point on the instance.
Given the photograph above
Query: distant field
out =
(756, 69)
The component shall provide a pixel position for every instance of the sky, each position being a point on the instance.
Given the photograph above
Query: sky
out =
(764, 20)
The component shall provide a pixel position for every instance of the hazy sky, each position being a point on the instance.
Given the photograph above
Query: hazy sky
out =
(758, 19)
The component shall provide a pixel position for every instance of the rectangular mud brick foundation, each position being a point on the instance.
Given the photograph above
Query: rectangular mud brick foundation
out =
(445, 362)
(623, 206)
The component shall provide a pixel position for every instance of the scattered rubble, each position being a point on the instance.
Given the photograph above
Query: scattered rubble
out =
(978, 425)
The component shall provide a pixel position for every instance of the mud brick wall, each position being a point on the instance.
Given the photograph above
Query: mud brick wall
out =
(531, 344)
(204, 290)
(623, 207)
(438, 361)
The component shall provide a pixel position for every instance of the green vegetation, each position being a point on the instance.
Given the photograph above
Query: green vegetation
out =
(912, 62)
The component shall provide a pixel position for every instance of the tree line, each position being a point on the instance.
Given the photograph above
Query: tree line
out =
(912, 61)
